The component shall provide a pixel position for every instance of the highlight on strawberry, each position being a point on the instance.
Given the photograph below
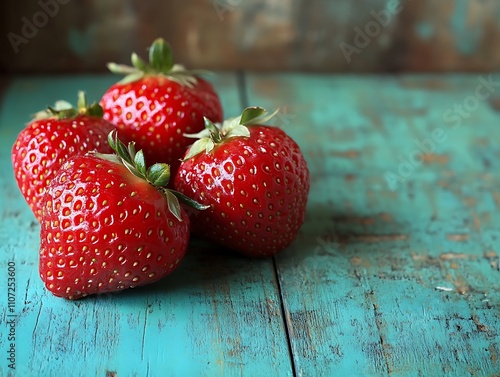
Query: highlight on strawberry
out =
(50, 139)
(255, 180)
(109, 223)
(157, 102)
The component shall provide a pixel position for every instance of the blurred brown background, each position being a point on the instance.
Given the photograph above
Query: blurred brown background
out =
(300, 35)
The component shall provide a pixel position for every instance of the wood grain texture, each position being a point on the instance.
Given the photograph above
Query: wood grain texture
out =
(218, 314)
(402, 280)
(312, 35)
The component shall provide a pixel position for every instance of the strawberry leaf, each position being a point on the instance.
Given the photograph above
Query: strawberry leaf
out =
(182, 76)
(47, 113)
(160, 56)
(83, 108)
(106, 156)
(64, 114)
(121, 69)
(134, 162)
(112, 139)
(64, 109)
(95, 110)
(82, 100)
(199, 146)
(251, 113)
(173, 204)
(199, 135)
(190, 202)
(136, 75)
(131, 168)
(161, 63)
(239, 130)
(122, 151)
(210, 146)
(214, 132)
(139, 63)
(209, 125)
(140, 163)
(62, 105)
(159, 174)
(131, 149)
(260, 119)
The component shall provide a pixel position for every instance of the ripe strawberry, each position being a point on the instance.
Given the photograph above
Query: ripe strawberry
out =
(254, 178)
(156, 103)
(50, 139)
(109, 224)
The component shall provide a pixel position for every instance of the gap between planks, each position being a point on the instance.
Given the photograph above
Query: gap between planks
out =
(243, 93)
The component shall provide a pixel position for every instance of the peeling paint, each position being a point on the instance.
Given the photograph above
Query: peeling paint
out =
(458, 237)
(450, 256)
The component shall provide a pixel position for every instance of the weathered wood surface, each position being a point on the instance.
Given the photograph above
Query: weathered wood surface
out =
(363, 285)
(387, 278)
(313, 35)
(216, 315)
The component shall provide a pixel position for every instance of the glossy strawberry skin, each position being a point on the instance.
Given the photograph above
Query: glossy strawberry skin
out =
(155, 112)
(257, 188)
(104, 230)
(44, 145)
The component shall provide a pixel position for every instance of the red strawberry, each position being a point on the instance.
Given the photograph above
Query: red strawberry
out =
(156, 103)
(254, 178)
(109, 224)
(49, 140)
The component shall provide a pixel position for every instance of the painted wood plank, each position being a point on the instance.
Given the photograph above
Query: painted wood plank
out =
(402, 280)
(218, 314)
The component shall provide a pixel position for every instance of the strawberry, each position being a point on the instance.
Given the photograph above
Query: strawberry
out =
(50, 139)
(255, 180)
(156, 103)
(110, 224)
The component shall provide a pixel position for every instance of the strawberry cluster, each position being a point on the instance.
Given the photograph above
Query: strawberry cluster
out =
(98, 179)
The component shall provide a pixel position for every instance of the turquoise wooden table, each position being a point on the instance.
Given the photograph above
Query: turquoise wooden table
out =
(396, 271)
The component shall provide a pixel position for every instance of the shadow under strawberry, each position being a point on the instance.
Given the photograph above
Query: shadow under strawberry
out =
(205, 267)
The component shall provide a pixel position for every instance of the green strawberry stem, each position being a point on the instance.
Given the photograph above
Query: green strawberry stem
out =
(64, 109)
(157, 175)
(161, 63)
(216, 133)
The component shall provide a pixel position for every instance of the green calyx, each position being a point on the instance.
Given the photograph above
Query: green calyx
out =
(216, 133)
(157, 175)
(65, 110)
(161, 62)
